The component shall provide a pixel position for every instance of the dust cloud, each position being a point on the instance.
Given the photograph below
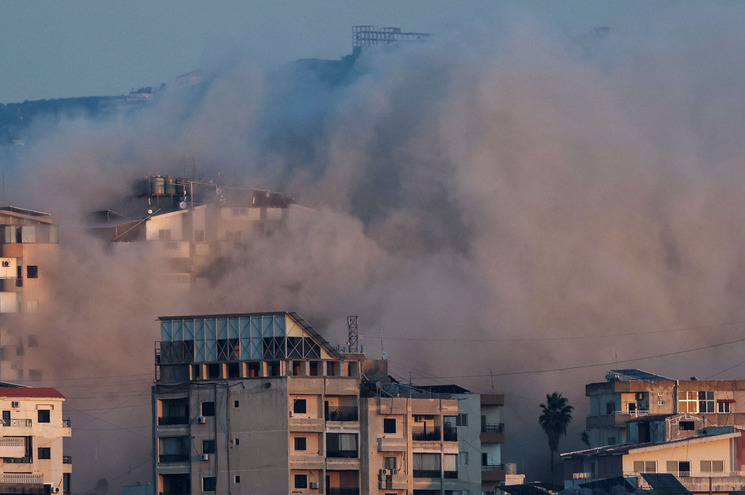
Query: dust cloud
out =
(516, 211)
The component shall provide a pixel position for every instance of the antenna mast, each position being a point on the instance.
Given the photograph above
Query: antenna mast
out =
(352, 341)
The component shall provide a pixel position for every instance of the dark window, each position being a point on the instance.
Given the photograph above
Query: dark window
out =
(301, 481)
(237, 479)
(389, 462)
(461, 420)
(43, 415)
(45, 453)
(610, 408)
(208, 446)
(389, 425)
(237, 441)
(6, 418)
(300, 443)
(687, 425)
(236, 403)
(208, 408)
(32, 271)
(209, 484)
(298, 406)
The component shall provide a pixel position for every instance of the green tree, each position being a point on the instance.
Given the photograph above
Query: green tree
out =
(556, 414)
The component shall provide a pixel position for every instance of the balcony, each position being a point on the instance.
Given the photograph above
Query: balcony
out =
(20, 423)
(426, 434)
(450, 434)
(66, 423)
(492, 472)
(66, 459)
(492, 433)
(342, 413)
(173, 458)
(423, 473)
(173, 420)
(492, 400)
(387, 444)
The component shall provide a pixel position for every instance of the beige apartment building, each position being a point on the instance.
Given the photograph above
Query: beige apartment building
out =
(28, 258)
(32, 431)
(261, 403)
(629, 393)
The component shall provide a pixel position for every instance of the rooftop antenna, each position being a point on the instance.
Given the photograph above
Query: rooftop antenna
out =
(352, 341)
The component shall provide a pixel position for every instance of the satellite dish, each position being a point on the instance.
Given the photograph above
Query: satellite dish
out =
(182, 205)
(150, 212)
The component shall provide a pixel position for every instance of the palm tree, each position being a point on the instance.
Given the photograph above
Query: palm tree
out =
(556, 414)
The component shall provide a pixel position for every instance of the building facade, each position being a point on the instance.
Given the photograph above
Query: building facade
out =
(261, 403)
(29, 252)
(32, 434)
(628, 394)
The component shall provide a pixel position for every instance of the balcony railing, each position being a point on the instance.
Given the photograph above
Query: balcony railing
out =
(451, 474)
(492, 467)
(492, 427)
(424, 473)
(17, 460)
(346, 454)
(450, 434)
(342, 413)
(173, 420)
(21, 423)
(173, 458)
(343, 491)
(426, 434)
(66, 423)
(66, 459)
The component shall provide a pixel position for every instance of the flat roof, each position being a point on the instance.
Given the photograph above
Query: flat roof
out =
(632, 374)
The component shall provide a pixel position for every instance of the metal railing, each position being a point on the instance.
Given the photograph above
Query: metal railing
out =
(426, 433)
(346, 454)
(17, 460)
(66, 459)
(173, 420)
(342, 413)
(343, 491)
(66, 423)
(173, 458)
(492, 427)
(450, 434)
(425, 473)
(492, 467)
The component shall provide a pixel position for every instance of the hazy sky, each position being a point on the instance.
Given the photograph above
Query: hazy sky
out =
(52, 49)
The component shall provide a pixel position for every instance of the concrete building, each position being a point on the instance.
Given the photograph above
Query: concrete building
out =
(192, 225)
(705, 461)
(28, 258)
(627, 394)
(261, 403)
(32, 431)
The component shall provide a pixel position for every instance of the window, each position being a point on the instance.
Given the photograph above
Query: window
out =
(299, 406)
(301, 481)
(688, 402)
(389, 425)
(209, 484)
(610, 408)
(43, 415)
(237, 403)
(208, 408)
(208, 446)
(463, 459)
(426, 465)
(301, 443)
(45, 453)
(461, 420)
(687, 426)
(341, 445)
(32, 271)
(237, 441)
(237, 479)
(706, 402)
(611, 440)
(389, 463)
(645, 466)
(712, 466)
(723, 407)
(450, 465)
(164, 235)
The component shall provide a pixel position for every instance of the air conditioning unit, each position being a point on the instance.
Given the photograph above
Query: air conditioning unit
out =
(201, 420)
(660, 394)
(15, 403)
(313, 485)
(383, 472)
(394, 471)
(205, 457)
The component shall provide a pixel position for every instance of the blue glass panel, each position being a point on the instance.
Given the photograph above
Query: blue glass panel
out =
(255, 327)
(209, 329)
(210, 350)
(165, 331)
(233, 328)
(199, 351)
(176, 332)
(188, 329)
(279, 325)
(267, 326)
(222, 328)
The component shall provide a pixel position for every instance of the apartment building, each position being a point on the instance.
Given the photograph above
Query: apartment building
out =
(32, 431)
(704, 460)
(630, 393)
(192, 225)
(262, 403)
(28, 258)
